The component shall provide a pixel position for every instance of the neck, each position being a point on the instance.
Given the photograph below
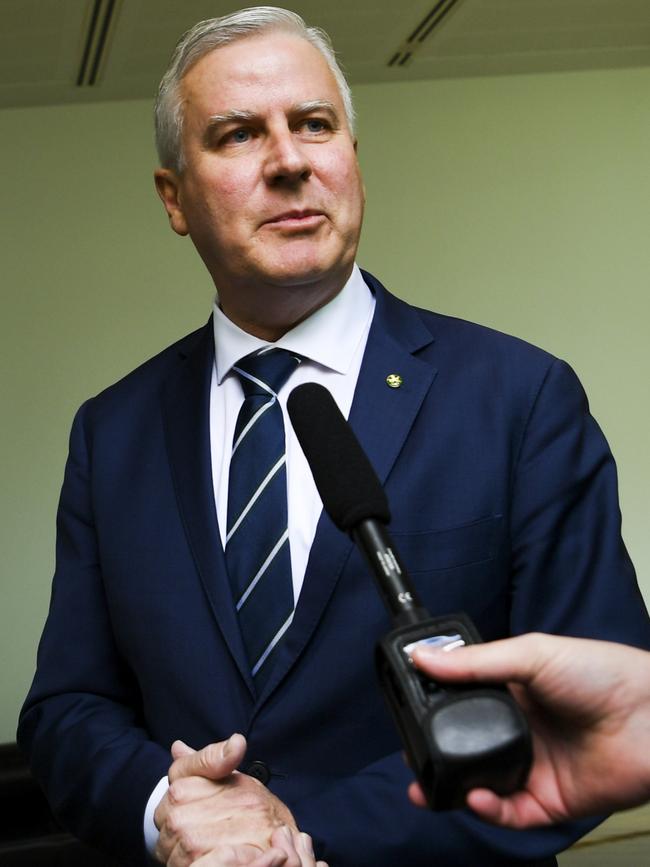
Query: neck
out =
(272, 311)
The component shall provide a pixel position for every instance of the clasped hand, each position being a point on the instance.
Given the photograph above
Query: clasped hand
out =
(214, 816)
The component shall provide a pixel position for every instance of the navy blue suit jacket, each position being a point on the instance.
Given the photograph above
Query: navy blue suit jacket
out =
(504, 498)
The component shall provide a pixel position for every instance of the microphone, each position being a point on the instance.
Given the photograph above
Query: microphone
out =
(456, 738)
(351, 493)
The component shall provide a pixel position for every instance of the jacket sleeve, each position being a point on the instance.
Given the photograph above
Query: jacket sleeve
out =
(569, 574)
(81, 724)
(369, 821)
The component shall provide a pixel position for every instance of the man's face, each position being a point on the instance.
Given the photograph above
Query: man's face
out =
(271, 193)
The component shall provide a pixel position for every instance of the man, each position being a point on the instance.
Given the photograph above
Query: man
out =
(588, 703)
(502, 487)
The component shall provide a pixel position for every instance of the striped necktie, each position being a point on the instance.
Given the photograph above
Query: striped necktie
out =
(257, 537)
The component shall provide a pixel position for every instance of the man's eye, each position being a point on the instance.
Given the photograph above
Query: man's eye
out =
(239, 136)
(315, 125)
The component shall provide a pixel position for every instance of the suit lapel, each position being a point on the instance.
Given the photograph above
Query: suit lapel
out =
(381, 417)
(186, 412)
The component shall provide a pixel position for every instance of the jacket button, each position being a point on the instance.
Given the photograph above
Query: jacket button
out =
(259, 770)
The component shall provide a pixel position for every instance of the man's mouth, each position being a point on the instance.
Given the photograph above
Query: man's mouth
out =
(296, 219)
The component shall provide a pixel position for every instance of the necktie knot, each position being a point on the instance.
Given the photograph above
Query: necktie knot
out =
(265, 371)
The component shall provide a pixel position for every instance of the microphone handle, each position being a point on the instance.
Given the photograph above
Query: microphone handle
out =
(395, 586)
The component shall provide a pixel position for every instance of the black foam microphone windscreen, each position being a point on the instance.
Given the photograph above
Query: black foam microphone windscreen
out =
(346, 481)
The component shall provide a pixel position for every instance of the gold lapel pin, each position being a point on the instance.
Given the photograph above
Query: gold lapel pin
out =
(394, 380)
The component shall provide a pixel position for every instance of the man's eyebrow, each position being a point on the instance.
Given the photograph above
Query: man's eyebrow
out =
(241, 116)
(315, 105)
(234, 116)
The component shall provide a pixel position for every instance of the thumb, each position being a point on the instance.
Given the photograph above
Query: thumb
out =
(181, 749)
(214, 762)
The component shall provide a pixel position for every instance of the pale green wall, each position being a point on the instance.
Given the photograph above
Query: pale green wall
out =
(519, 202)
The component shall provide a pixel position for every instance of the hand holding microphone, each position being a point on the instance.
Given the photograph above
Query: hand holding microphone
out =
(588, 704)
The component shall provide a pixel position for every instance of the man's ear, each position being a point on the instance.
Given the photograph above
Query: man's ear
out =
(355, 144)
(168, 188)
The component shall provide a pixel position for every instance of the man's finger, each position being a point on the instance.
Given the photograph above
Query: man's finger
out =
(181, 749)
(233, 856)
(304, 848)
(271, 858)
(416, 795)
(213, 762)
(511, 659)
(520, 810)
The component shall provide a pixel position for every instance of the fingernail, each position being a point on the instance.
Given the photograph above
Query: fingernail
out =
(180, 748)
(228, 746)
(426, 650)
(427, 654)
(286, 833)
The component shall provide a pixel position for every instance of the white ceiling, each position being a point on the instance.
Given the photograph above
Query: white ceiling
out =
(42, 42)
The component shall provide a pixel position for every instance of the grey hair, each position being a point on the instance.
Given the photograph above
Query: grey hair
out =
(208, 35)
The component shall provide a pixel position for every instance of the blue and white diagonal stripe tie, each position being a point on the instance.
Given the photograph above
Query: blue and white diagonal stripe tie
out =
(257, 537)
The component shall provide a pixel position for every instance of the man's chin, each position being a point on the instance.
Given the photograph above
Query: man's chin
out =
(297, 279)
(296, 272)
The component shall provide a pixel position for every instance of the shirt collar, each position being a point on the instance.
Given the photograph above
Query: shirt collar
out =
(330, 336)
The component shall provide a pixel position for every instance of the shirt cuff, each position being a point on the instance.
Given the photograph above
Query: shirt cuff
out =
(150, 830)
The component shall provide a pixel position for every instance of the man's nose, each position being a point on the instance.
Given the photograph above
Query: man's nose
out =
(287, 160)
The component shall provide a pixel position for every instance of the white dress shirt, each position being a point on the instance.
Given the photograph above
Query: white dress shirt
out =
(332, 342)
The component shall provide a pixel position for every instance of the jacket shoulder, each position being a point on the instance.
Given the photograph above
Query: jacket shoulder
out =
(452, 336)
(142, 387)
(157, 368)
(475, 339)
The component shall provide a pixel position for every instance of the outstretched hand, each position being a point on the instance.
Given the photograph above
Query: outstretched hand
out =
(588, 707)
